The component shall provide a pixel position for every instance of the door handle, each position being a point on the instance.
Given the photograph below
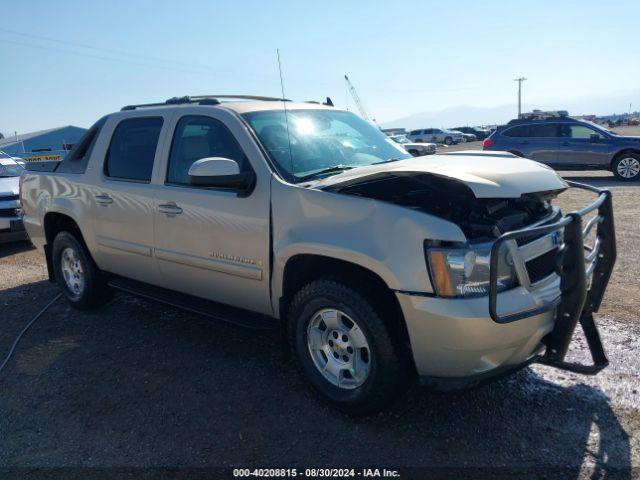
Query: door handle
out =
(565, 144)
(104, 199)
(170, 209)
(524, 142)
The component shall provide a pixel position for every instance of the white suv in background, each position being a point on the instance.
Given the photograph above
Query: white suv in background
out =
(436, 135)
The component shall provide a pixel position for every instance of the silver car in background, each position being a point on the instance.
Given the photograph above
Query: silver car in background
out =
(415, 149)
(11, 227)
(435, 135)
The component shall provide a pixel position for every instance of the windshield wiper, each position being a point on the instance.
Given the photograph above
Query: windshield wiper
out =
(333, 168)
(389, 161)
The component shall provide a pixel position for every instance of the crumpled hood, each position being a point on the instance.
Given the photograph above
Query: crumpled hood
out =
(487, 174)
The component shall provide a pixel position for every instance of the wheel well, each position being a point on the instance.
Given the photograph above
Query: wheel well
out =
(517, 153)
(303, 269)
(623, 152)
(55, 223)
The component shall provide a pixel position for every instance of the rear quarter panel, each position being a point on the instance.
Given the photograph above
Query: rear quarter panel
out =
(44, 193)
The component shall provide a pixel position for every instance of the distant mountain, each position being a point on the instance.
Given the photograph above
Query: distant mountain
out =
(467, 115)
(456, 117)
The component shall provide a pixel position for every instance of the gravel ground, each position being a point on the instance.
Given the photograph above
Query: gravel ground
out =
(138, 384)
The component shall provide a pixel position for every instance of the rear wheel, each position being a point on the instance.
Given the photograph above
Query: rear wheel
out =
(344, 348)
(448, 141)
(415, 153)
(627, 167)
(76, 273)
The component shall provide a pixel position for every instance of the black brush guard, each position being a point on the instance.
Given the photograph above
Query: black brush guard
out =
(575, 262)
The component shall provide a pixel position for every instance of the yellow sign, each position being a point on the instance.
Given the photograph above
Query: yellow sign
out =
(42, 158)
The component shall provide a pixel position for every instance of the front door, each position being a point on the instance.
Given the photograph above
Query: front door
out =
(212, 243)
(582, 145)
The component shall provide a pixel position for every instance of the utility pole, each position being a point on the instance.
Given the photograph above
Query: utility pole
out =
(519, 80)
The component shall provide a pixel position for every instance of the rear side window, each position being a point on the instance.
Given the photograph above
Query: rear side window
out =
(199, 137)
(133, 148)
(415, 132)
(543, 130)
(77, 159)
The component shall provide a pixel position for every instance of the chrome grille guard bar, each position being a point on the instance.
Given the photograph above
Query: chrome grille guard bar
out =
(575, 264)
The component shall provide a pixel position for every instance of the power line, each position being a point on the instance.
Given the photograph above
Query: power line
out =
(101, 49)
(99, 57)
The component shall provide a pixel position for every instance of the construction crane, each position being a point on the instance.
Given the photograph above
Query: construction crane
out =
(358, 102)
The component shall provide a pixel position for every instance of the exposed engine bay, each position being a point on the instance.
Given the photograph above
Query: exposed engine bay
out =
(452, 200)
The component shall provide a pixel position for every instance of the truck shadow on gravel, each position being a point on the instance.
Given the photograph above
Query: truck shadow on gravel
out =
(138, 384)
(8, 249)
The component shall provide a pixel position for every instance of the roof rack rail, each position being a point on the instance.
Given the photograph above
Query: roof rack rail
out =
(203, 100)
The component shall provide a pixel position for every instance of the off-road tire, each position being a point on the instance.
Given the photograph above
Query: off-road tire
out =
(95, 291)
(388, 376)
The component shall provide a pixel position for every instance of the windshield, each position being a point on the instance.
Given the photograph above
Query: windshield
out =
(321, 142)
(10, 170)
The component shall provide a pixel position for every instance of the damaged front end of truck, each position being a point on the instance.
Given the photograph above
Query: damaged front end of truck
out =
(515, 237)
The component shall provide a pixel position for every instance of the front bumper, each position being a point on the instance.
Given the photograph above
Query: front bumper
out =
(479, 337)
(12, 230)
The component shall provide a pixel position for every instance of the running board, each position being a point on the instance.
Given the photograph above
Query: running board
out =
(200, 306)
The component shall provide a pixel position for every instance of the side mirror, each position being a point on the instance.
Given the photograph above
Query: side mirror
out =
(218, 172)
(595, 138)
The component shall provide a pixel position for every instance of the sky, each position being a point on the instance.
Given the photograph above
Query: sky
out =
(70, 62)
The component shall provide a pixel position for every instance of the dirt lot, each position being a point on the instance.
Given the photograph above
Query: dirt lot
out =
(141, 385)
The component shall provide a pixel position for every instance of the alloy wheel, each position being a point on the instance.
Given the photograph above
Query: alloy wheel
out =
(628, 167)
(72, 271)
(339, 348)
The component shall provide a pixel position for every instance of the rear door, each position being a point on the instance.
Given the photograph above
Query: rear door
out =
(577, 146)
(210, 242)
(122, 197)
(538, 142)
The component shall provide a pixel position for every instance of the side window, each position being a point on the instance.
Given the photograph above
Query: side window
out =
(76, 160)
(415, 132)
(428, 131)
(521, 131)
(544, 130)
(578, 131)
(197, 137)
(133, 148)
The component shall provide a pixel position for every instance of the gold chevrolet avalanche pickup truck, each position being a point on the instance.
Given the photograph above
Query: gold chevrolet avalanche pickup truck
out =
(377, 267)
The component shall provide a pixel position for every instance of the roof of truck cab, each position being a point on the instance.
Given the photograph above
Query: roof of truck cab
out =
(238, 107)
(246, 107)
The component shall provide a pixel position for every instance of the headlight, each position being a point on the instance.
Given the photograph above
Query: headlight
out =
(464, 272)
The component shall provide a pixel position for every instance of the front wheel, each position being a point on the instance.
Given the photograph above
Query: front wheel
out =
(627, 167)
(415, 153)
(448, 141)
(76, 273)
(344, 348)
